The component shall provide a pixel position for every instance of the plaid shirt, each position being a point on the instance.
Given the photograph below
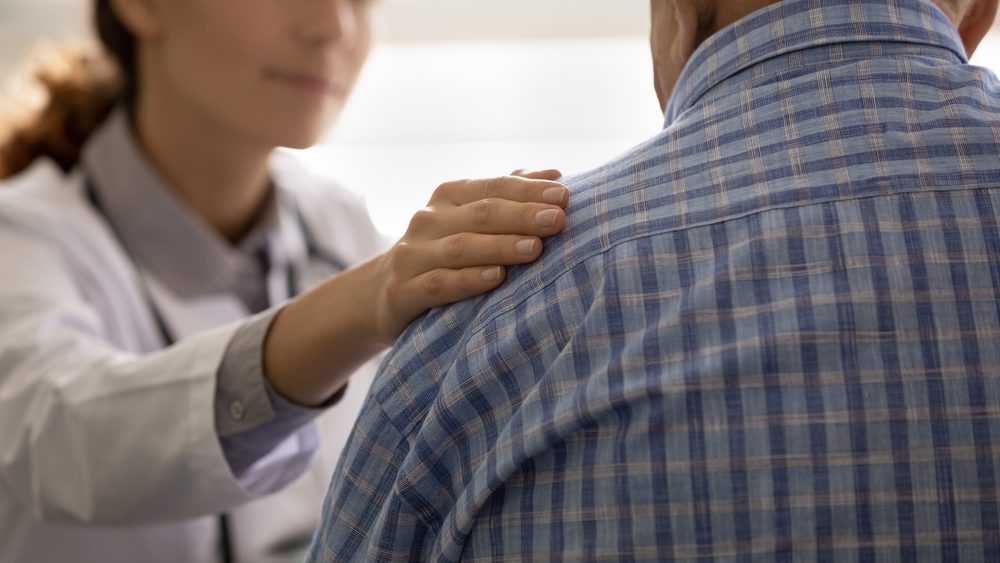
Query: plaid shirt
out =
(772, 332)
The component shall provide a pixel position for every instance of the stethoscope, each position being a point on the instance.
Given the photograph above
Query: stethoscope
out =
(295, 284)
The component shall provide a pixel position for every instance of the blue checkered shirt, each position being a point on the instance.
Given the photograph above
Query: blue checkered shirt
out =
(772, 332)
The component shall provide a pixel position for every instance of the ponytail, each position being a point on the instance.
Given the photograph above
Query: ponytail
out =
(79, 88)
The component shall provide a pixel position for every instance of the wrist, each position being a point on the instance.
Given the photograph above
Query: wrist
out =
(319, 339)
(366, 312)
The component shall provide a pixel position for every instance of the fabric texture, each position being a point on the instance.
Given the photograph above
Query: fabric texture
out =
(768, 333)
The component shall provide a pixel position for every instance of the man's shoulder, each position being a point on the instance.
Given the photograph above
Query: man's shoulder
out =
(724, 163)
(602, 213)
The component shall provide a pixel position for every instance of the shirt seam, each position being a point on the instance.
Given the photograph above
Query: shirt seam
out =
(479, 327)
(409, 448)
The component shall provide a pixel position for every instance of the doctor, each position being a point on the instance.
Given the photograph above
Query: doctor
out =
(178, 303)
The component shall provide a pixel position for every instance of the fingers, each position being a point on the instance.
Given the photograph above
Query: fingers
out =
(512, 188)
(488, 217)
(550, 174)
(460, 244)
(441, 287)
(465, 250)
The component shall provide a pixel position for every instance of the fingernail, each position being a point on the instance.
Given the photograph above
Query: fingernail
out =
(491, 274)
(547, 218)
(526, 246)
(554, 195)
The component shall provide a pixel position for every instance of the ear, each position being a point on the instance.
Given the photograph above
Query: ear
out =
(674, 38)
(141, 17)
(976, 23)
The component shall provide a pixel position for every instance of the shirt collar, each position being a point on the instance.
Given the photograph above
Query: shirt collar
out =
(797, 25)
(166, 238)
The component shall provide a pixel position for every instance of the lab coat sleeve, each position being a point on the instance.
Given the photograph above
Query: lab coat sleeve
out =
(89, 434)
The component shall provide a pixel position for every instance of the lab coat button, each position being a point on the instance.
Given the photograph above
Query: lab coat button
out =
(237, 410)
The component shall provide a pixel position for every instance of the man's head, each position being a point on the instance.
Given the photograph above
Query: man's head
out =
(680, 26)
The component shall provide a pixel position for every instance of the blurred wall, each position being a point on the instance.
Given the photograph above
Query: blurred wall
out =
(23, 23)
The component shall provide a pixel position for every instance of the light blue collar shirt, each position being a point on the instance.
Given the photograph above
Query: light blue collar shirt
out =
(769, 333)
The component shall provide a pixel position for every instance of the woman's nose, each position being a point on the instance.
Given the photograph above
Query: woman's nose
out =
(328, 22)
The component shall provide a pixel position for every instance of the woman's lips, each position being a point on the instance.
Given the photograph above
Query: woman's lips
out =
(305, 82)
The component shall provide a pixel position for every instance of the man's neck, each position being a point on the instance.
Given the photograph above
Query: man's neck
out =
(726, 12)
(216, 173)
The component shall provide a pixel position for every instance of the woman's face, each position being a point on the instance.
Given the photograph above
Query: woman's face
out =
(273, 71)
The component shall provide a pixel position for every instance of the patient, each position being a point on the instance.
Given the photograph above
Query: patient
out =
(770, 332)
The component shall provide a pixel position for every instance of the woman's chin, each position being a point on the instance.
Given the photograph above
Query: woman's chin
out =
(294, 132)
(299, 143)
(302, 138)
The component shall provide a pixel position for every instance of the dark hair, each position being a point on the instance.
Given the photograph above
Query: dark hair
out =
(80, 89)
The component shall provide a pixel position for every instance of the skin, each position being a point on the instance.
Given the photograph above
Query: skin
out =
(680, 26)
(224, 82)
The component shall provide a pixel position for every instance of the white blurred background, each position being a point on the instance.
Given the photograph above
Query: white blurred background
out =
(462, 88)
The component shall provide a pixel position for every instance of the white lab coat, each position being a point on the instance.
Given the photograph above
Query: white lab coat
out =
(108, 449)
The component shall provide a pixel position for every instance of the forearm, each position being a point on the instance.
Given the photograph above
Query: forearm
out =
(322, 337)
